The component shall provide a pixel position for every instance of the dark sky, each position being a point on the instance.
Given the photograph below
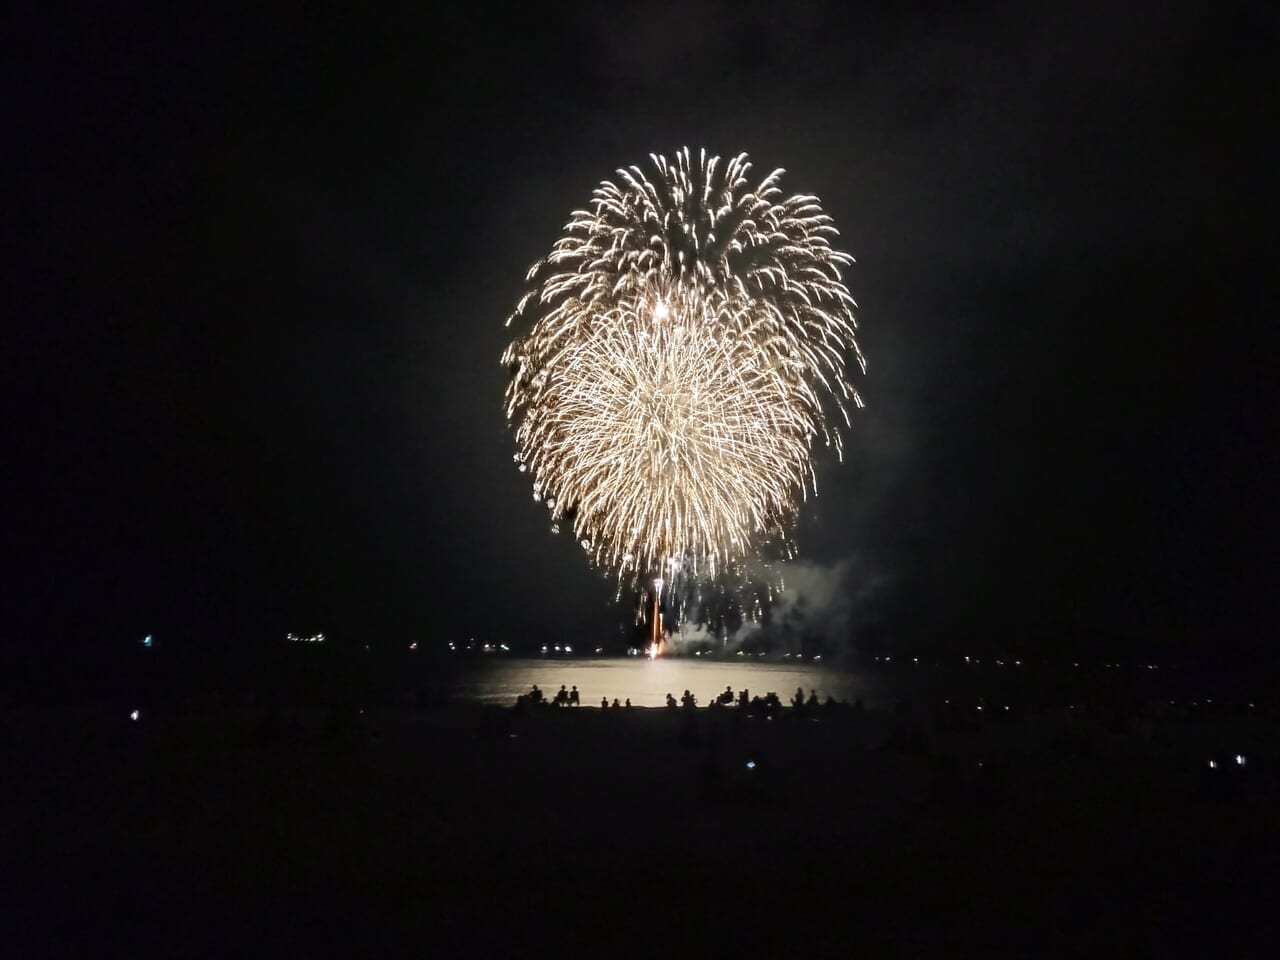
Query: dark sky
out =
(260, 263)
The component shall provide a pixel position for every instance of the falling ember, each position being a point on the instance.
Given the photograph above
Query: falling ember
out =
(683, 346)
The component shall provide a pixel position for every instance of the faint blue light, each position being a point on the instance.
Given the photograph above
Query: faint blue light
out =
(146, 641)
(751, 764)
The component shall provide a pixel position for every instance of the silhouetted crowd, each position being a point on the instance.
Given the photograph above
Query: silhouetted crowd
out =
(768, 705)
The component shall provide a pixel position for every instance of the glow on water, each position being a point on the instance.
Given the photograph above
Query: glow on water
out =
(647, 682)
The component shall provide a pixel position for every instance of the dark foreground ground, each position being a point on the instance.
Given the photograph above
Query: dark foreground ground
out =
(464, 831)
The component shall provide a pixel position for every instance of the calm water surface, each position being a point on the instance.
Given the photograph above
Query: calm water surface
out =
(647, 682)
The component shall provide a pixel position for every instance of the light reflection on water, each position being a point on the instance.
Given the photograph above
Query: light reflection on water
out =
(647, 682)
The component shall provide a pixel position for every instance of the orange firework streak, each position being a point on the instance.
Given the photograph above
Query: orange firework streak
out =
(655, 622)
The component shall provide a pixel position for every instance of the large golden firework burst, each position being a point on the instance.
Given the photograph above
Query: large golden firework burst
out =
(688, 341)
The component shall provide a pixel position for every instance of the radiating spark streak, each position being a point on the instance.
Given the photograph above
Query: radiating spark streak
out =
(686, 341)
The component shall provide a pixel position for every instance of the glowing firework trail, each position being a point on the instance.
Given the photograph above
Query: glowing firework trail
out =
(687, 343)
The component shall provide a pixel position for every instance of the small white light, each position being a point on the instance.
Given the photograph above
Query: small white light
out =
(1213, 764)
(135, 714)
(1240, 760)
(751, 764)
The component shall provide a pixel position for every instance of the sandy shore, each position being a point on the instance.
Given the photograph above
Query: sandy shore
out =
(476, 831)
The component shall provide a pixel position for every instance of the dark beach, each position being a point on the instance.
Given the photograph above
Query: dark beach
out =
(218, 830)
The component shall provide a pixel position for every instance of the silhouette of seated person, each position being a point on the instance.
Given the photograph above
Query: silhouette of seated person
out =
(798, 699)
(535, 695)
(744, 698)
(688, 700)
(671, 701)
(574, 697)
(615, 705)
(604, 703)
(813, 699)
(562, 696)
(628, 703)
(726, 697)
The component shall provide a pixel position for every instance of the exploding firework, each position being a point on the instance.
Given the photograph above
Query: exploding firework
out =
(687, 343)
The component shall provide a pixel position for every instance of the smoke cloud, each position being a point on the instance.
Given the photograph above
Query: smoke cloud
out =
(817, 610)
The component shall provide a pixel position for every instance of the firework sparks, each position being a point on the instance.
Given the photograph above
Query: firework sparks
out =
(687, 344)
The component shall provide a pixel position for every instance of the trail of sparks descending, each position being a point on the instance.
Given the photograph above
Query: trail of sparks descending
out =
(687, 343)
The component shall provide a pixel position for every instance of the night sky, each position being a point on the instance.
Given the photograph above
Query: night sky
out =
(259, 263)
